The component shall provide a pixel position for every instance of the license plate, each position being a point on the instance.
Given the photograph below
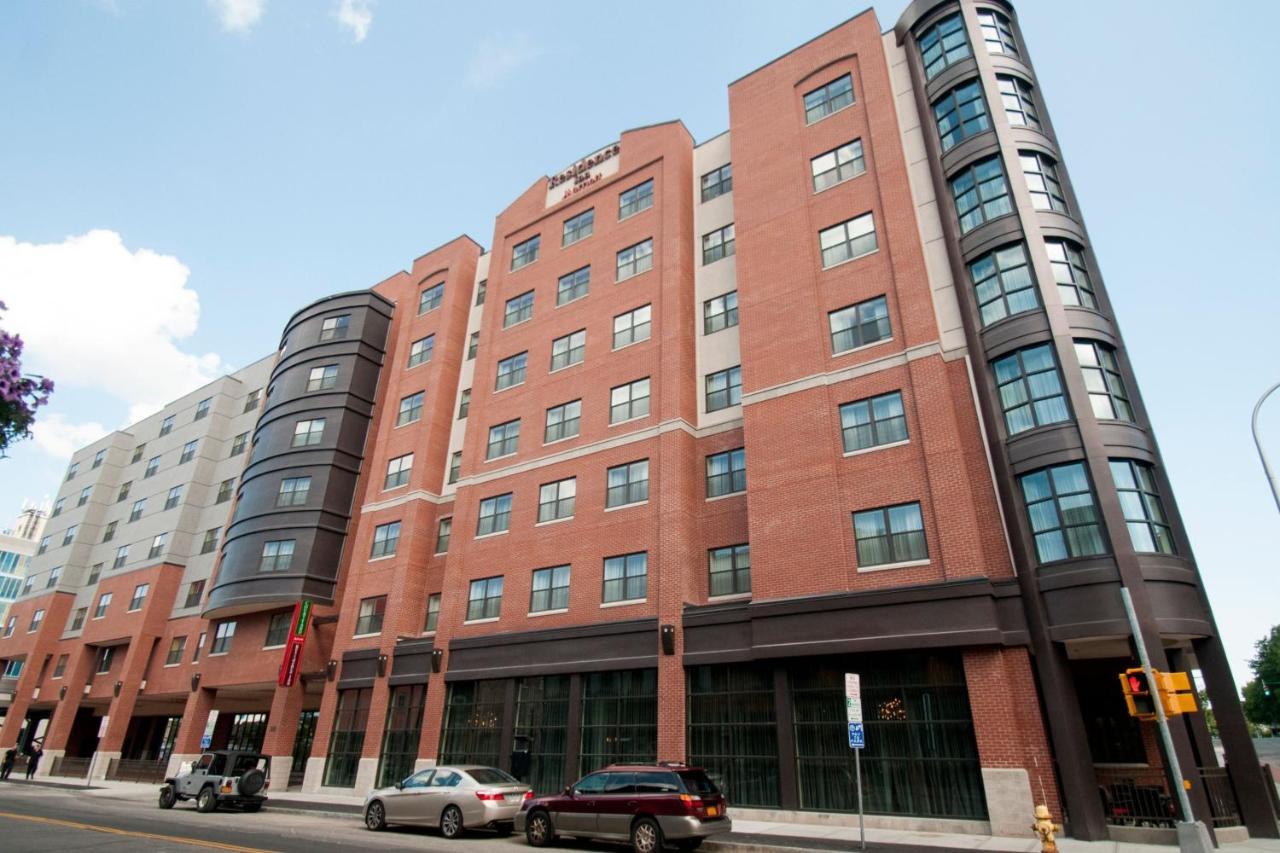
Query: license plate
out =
(712, 811)
(514, 798)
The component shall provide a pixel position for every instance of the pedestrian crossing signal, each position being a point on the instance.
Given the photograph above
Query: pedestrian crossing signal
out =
(1172, 689)
(1137, 693)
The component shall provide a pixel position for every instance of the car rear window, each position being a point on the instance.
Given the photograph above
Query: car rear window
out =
(657, 783)
(696, 782)
(492, 776)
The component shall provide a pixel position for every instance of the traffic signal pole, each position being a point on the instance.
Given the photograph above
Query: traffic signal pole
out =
(1193, 835)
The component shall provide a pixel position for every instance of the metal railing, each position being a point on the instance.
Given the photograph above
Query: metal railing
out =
(1222, 796)
(137, 769)
(66, 766)
(1140, 796)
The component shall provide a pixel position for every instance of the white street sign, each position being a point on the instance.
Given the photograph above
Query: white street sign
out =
(853, 697)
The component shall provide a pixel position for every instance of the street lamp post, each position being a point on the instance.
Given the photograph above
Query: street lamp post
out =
(1266, 467)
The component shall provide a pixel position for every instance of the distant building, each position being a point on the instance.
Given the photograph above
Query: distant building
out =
(17, 545)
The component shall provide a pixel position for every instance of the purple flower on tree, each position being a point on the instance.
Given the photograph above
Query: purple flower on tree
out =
(20, 395)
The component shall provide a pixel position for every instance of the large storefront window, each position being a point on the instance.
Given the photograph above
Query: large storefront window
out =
(404, 726)
(542, 715)
(619, 718)
(921, 757)
(247, 732)
(473, 723)
(733, 731)
(349, 725)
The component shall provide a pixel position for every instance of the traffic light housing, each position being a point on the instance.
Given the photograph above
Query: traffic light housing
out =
(1172, 689)
(1177, 693)
(1137, 693)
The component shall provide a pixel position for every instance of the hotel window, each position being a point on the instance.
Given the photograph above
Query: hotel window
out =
(58, 506)
(433, 613)
(636, 199)
(485, 599)
(153, 465)
(410, 409)
(729, 570)
(630, 401)
(727, 473)
(54, 574)
(430, 299)
(335, 327)
(455, 466)
(960, 114)
(177, 646)
(60, 667)
(322, 378)
(222, 637)
(110, 532)
(44, 545)
(1003, 283)
(398, 471)
(385, 538)
(278, 629)
(556, 500)
(997, 32)
(99, 457)
(504, 439)
(74, 469)
(12, 668)
(724, 388)
(943, 44)
(251, 401)
(464, 403)
(157, 546)
(70, 534)
(36, 618)
(825, 100)
(1063, 513)
(717, 182)
(720, 312)
(578, 227)
(8, 632)
(202, 408)
(369, 620)
(139, 595)
(443, 531)
(104, 658)
(889, 535)
(195, 654)
(481, 290)
(718, 244)
(308, 432)
(84, 496)
(568, 350)
(859, 325)
(847, 240)
(632, 327)
(195, 591)
(573, 285)
(1030, 389)
(224, 490)
(523, 254)
(837, 165)
(519, 308)
(473, 345)
(137, 453)
(511, 371)
(562, 421)
(238, 445)
(627, 484)
(636, 259)
(1041, 174)
(1071, 273)
(210, 543)
(175, 495)
(549, 590)
(626, 578)
(293, 491)
(29, 584)
(166, 427)
(77, 621)
(104, 601)
(873, 422)
(1103, 381)
(1019, 101)
(1140, 503)
(188, 452)
(94, 574)
(122, 555)
(981, 193)
(495, 515)
(277, 555)
(124, 491)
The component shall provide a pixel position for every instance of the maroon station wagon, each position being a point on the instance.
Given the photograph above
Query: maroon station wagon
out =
(650, 805)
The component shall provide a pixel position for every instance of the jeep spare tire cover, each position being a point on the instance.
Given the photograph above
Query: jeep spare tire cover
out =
(252, 782)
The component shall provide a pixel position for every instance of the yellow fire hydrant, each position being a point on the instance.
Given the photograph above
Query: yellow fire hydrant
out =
(1045, 828)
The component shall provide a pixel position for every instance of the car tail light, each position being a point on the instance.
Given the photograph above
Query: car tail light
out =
(528, 795)
(490, 796)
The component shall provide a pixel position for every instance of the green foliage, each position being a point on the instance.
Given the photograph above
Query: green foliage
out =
(1209, 719)
(1262, 694)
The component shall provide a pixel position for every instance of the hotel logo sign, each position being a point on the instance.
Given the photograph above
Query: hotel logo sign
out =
(582, 175)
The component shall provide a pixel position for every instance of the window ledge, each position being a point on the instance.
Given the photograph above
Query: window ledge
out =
(503, 456)
(525, 266)
(408, 423)
(528, 319)
(560, 440)
(623, 603)
(839, 183)
(844, 352)
(633, 343)
(440, 553)
(567, 366)
(876, 447)
(218, 654)
(356, 636)
(393, 488)
(726, 495)
(633, 275)
(278, 646)
(879, 567)
(497, 390)
(383, 557)
(731, 596)
(553, 521)
(830, 114)
(491, 535)
(172, 665)
(854, 258)
(628, 420)
(625, 506)
(484, 621)
(574, 299)
(534, 613)
(635, 213)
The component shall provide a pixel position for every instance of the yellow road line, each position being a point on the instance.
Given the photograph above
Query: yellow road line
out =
(195, 842)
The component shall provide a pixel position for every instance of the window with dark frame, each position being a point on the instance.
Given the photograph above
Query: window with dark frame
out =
(78, 621)
(177, 646)
(720, 312)
(153, 465)
(385, 538)
(578, 227)
(562, 421)
(981, 193)
(1004, 283)
(724, 388)
(943, 44)
(1071, 273)
(464, 403)
(636, 199)
(847, 240)
(717, 182)
(837, 165)
(859, 325)
(1140, 502)
(323, 378)
(277, 554)
(308, 432)
(410, 409)
(188, 451)
(333, 328)
(455, 466)
(495, 515)
(568, 350)
(626, 577)
(294, 491)
(137, 509)
(1019, 101)
(369, 619)
(173, 498)
(166, 427)
(828, 99)
(889, 535)
(1063, 513)
(873, 422)
(1103, 381)
(504, 439)
(430, 298)
(481, 290)
(432, 619)
(556, 500)
(473, 345)
(195, 591)
(526, 252)
(484, 600)
(729, 570)
(239, 443)
(632, 327)
(420, 350)
(518, 309)
(110, 532)
(104, 601)
(443, 531)
(1030, 389)
(627, 484)
(210, 543)
(398, 471)
(511, 370)
(960, 114)
(122, 556)
(157, 546)
(630, 401)
(574, 285)
(997, 32)
(727, 473)
(1041, 175)
(124, 491)
(549, 590)
(139, 596)
(277, 629)
(60, 668)
(635, 259)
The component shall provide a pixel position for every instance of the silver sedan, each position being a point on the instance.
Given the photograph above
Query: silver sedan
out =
(453, 798)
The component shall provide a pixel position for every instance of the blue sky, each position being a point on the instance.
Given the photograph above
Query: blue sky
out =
(237, 159)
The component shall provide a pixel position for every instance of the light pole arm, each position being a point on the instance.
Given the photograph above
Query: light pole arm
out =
(1266, 466)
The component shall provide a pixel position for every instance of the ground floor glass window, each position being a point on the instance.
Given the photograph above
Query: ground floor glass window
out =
(733, 731)
(619, 718)
(347, 741)
(473, 723)
(403, 731)
(542, 715)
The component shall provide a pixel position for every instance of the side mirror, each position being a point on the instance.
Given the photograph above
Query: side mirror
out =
(568, 790)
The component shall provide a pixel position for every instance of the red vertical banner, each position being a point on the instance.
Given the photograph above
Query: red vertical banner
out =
(293, 648)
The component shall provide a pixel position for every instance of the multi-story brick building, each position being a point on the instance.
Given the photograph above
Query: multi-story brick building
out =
(710, 425)
(17, 546)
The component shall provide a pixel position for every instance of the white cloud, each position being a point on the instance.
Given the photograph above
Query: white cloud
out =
(97, 316)
(59, 437)
(497, 56)
(357, 16)
(238, 16)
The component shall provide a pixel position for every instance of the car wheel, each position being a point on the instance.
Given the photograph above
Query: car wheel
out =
(167, 797)
(539, 831)
(207, 801)
(646, 836)
(451, 822)
(375, 817)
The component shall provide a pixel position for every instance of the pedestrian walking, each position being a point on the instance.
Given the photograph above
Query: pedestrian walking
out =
(33, 761)
(6, 766)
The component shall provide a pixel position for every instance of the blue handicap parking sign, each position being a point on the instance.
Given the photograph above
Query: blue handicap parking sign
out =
(857, 736)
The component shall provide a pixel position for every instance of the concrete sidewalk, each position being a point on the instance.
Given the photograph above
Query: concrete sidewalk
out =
(748, 835)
